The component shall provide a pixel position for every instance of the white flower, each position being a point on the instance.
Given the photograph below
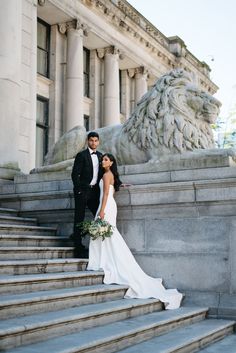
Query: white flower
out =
(97, 228)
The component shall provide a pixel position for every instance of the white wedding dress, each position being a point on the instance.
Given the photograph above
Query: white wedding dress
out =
(119, 265)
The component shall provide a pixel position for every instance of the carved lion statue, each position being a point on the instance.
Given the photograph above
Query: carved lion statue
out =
(171, 118)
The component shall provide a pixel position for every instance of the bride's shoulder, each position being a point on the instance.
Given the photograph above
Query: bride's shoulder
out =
(107, 177)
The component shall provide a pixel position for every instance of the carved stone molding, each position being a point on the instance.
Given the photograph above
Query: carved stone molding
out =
(75, 24)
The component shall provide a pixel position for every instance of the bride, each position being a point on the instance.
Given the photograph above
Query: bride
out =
(113, 256)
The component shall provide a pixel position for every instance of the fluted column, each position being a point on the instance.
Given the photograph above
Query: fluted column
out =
(141, 88)
(10, 68)
(74, 74)
(111, 86)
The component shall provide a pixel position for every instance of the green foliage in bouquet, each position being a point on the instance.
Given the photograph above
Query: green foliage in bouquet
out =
(96, 228)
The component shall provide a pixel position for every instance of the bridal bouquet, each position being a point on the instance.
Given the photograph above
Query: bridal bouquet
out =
(97, 228)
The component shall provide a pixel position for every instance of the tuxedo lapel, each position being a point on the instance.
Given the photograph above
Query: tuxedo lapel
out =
(90, 163)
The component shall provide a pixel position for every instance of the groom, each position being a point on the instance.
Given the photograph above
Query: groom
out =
(86, 174)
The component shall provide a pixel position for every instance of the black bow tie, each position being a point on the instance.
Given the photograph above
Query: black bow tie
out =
(93, 153)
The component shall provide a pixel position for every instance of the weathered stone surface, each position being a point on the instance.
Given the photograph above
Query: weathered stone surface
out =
(158, 194)
(9, 170)
(134, 231)
(232, 256)
(185, 235)
(188, 271)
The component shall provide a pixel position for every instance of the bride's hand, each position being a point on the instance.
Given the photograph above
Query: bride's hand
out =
(102, 214)
(125, 185)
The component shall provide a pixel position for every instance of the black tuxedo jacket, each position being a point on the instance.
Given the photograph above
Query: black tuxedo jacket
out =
(82, 172)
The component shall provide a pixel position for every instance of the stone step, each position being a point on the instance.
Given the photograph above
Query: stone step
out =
(47, 281)
(17, 305)
(187, 339)
(117, 335)
(9, 240)
(30, 252)
(24, 229)
(23, 267)
(5, 219)
(36, 328)
(8, 212)
(227, 345)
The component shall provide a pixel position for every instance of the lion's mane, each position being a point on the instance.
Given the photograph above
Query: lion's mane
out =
(173, 115)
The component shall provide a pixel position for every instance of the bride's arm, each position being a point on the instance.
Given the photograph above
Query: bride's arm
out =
(106, 185)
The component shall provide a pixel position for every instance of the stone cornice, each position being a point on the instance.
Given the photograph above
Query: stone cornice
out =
(163, 52)
(117, 15)
(126, 19)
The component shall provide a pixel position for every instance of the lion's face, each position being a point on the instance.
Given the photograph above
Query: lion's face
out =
(206, 107)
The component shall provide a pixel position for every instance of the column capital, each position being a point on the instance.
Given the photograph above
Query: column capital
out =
(41, 2)
(76, 24)
(131, 72)
(108, 50)
(141, 70)
(138, 70)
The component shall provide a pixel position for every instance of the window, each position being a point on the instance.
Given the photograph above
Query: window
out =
(41, 130)
(86, 71)
(43, 40)
(86, 122)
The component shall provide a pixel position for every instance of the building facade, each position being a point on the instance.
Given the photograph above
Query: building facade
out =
(76, 62)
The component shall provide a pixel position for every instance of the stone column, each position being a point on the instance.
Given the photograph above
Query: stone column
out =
(95, 90)
(33, 88)
(111, 85)
(10, 69)
(125, 94)
(74, 73)
(141, 76)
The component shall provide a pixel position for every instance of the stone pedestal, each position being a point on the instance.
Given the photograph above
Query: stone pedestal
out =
(10, 68)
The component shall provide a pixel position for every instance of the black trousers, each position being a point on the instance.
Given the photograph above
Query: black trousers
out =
(86, 197)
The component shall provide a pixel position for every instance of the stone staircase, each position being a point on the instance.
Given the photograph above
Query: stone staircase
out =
(50, 303)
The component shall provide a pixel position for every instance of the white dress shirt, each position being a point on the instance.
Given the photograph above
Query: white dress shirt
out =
(95, 166)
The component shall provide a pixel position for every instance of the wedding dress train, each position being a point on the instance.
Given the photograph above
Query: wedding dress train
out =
(119, 265)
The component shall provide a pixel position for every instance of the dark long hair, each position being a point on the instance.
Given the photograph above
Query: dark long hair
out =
(114, 170)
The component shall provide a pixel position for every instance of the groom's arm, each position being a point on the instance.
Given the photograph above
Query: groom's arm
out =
(76, 171)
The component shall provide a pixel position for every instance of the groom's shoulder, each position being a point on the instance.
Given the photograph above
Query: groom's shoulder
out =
(83, 152)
